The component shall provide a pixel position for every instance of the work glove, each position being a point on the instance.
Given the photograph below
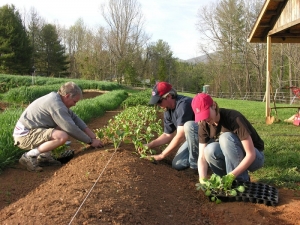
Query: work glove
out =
(227, 180)
(202, 180)
(203, 184)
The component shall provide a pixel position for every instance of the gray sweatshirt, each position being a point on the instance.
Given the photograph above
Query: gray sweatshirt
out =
(49, 112)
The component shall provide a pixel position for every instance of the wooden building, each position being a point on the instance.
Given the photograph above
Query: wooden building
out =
(278, 22)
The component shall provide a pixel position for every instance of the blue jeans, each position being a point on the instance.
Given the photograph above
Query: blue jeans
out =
(225, 155)
(187, 154)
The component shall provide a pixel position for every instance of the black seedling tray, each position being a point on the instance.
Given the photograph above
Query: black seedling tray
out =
(66, 156)
(254, 192)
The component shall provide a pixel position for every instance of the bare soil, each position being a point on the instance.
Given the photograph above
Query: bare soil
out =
(104, 186)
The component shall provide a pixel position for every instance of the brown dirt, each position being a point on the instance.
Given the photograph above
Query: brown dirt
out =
(103, 186)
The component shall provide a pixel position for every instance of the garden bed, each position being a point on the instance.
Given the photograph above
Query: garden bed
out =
(101, 186)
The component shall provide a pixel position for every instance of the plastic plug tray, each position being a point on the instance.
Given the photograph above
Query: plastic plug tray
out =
(66, 156)
(255, 193)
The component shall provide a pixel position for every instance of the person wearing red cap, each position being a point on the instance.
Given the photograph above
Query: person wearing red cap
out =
(228, 143)
(179, 127)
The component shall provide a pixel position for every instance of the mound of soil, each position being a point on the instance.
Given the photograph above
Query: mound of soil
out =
(104, 186)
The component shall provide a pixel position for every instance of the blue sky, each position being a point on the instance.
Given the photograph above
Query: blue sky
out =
(173, 21)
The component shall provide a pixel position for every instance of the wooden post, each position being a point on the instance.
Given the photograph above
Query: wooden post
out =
(268, 80)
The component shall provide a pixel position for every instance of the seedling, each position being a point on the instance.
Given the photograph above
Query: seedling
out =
(135, 125)
(56, 153)
(218, 186)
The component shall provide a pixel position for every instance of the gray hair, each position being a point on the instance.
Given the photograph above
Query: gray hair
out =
(70, 88)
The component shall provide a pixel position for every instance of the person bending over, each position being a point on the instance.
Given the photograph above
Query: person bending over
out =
(180, 130)
(228, 143)
(47, 123)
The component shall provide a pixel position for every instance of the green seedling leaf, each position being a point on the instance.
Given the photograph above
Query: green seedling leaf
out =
(143, 156)
(218, 201)
(241, 188)
(152, 152)
(198, 188)
(207, 192)
(213, 198)
(233, 192)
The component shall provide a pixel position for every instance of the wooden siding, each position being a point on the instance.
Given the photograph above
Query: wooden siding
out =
(280, 19)
(290, 13)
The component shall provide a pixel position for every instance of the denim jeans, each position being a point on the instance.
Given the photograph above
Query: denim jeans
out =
(187, 154)
(225, 155)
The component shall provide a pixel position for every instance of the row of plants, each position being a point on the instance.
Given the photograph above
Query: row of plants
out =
(19, 89)
(137, 125)
(85, 109)
(141, 97)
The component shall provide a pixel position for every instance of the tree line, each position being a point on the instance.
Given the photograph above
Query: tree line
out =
(123, 52)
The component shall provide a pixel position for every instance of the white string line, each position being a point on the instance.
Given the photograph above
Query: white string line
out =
(92, 187)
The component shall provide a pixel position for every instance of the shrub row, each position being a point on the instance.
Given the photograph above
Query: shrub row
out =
(8, 82)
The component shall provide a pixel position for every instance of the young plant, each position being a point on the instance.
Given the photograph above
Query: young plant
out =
(56, 153)
(218, 186)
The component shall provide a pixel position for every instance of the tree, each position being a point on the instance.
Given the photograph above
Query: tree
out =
(124, 36)
(225, 25)
(15, 50)
(161, 61)
(35, 24)
(52, 58)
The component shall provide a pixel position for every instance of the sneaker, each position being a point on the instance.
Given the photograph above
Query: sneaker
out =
(44, 160)
(30, 163)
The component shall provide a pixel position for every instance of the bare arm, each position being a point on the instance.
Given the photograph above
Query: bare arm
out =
(249, 158)
(161, 140)
(202, 164)
(90, 133)
(175, 139)
(94, 141)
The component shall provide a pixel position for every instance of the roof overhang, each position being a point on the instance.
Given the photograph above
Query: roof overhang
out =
(275, 20)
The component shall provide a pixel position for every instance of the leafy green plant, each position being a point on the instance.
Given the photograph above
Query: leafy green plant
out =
(218, 186)
(56, 153)
(137, 125)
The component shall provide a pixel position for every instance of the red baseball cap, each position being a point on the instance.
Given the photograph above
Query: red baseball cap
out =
(201, 104)
(160, 89)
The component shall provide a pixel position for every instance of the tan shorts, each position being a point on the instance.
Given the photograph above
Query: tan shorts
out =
(34, 138)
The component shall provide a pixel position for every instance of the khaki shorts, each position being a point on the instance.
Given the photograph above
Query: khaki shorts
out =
(34, 138)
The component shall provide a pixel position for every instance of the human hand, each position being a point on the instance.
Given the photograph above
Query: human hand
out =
(202, 180)
(96, 143)
(158, 157)
(227, 180)
(203, 184)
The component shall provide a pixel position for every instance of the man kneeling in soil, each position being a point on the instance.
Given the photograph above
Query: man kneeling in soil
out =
(180, 130)
(47, 123)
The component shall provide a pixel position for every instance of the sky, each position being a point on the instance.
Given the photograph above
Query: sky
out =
(173, 21)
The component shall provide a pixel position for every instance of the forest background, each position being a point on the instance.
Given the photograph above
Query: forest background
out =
(122, 51)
